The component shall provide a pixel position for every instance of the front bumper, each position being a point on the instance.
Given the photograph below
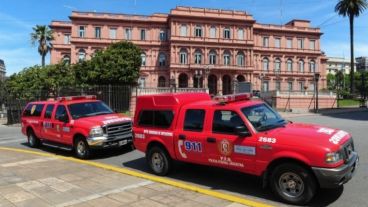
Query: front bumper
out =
(105, 142)
(335, 177)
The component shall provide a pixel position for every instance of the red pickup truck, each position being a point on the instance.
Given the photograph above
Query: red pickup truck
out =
(79, 123)
(239, 133)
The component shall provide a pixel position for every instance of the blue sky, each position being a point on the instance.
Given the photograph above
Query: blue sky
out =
(17, 17)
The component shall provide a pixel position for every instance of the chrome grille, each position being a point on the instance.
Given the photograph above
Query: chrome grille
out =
(119, 130)
(348, 149)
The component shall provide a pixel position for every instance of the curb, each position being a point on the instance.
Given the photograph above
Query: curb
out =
(166, 181)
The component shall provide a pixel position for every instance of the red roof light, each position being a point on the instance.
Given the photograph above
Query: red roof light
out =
(233, 98)
(72, 98)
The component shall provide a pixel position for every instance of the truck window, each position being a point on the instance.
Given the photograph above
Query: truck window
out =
(194, 119)
(49, 110)
(159, 118)
(60, 111)
(33, 110)
(224, 122)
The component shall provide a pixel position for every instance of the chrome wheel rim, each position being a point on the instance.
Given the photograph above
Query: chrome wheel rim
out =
(31, 139)
(157, 162)
(81, 148)
(291, 184)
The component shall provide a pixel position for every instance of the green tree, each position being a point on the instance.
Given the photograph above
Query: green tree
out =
(42, 35)
(331, 81)
(352, 9)
(118, 64)
(40, 82)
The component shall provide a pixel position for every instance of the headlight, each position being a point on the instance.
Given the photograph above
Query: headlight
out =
(96, 132)
(333, 157)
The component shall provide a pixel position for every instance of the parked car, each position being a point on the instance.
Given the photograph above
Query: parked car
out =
(79, 123)
(239, 133)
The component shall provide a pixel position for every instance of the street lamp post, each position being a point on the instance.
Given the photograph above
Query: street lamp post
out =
(206, 73)
(198, 75)
(316, 79)
(172, 83)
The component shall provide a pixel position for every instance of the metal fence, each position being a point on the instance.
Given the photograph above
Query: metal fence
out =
(117, 97)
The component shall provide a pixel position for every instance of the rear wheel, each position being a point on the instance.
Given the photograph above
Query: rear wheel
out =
(293, 183)
(159, 160)
(33, 140)
(81, 148)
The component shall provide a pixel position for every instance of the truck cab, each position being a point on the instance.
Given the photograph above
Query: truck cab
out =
(79, 123)
(239, 133)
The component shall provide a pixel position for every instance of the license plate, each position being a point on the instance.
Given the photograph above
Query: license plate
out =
(123, 142)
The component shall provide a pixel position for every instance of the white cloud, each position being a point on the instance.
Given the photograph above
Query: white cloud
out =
(342, 49)
(13, 21)
(18, 58)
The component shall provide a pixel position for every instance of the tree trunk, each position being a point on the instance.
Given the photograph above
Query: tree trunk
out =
(351, 20)
(43, 60)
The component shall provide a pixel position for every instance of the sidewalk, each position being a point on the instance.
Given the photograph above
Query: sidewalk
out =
(322, 112)
(32, 180)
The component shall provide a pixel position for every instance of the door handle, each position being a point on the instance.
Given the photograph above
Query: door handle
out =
(182, 137)
(211, 140)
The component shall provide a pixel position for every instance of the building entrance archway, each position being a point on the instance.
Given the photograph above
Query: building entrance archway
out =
(183, 80)
(226, 85)
(212, 84)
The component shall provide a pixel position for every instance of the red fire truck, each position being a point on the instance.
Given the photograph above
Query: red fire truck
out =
(239, 133)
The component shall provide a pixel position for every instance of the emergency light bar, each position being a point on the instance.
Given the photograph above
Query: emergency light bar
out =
(233, 98)
(72, 98)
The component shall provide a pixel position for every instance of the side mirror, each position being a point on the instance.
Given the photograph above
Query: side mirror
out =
(64, 118)
(242, 131)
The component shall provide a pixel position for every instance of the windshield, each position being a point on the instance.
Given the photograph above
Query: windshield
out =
(87, 109)
(263, 117)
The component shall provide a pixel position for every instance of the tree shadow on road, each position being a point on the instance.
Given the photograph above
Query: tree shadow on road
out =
(232, 181)
(358, 116)
(96, 155)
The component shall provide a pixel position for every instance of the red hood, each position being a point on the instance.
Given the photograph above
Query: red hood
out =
(102, 120)
(298, 134)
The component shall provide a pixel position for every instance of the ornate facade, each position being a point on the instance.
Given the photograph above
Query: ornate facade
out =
(199, 47)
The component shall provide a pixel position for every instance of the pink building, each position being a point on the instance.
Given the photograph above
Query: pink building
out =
(198, 47)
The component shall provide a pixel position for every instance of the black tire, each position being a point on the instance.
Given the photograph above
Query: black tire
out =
(159, 160)
(33, 140)
(81, 148)
(293, 183)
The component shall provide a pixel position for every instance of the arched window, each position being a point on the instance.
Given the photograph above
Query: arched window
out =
(312, 66)
(213, 32)
(161, 81)
(183, 55)
(66, 59)
(162, 59)
(240, 59)
(198, 31)
(212, 57)
(226, 58)
(183, 30)
(198, 57)
(265, 64)
(301, 65)
(81, 55)
(277, 64)
(143, 59)
(289, 65)
(183, 80)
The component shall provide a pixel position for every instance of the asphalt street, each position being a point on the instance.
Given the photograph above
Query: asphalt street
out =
(352, 194)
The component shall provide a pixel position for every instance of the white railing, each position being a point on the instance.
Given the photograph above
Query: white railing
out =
(146, 91)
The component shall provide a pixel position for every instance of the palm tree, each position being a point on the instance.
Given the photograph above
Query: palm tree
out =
(351, 8)
(43, 35)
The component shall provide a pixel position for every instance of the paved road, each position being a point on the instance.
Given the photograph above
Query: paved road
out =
(354, 193)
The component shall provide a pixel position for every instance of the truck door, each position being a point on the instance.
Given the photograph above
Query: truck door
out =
(190, 136)
(47, 123)
(61, 125)
(226, 148)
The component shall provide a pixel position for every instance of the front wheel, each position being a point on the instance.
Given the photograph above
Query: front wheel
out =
(81, 148)
(158, 160)
(293, 183)
(33, 141)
